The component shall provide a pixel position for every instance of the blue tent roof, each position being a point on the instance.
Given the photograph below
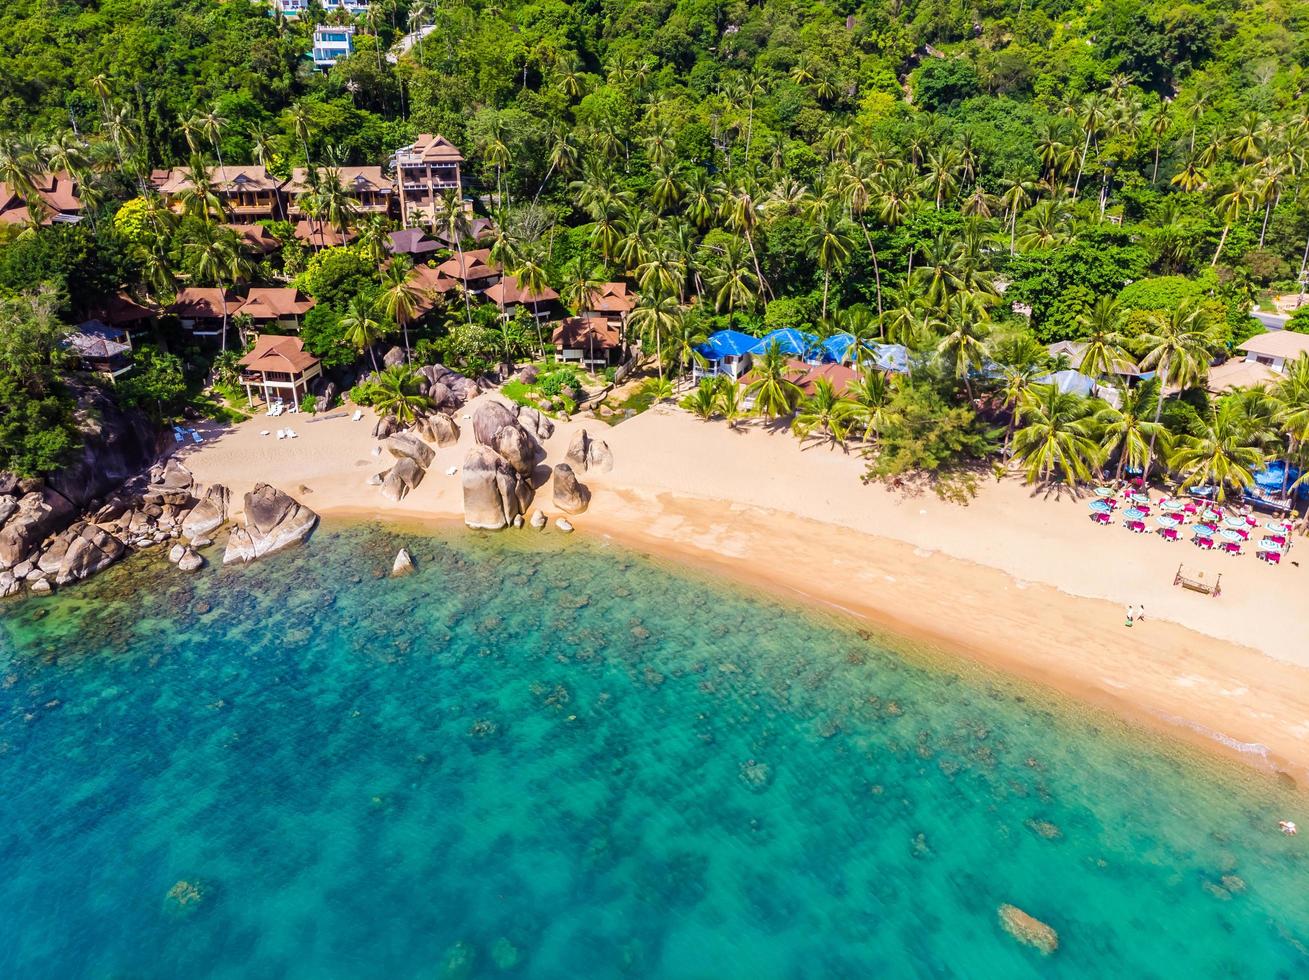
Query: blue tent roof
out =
(789, 339)
(1073, 382)
(1271, 476)
(891, 357)
(727, 343)
(837, 347)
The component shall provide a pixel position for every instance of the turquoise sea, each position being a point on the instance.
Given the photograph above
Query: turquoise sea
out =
(543, 757)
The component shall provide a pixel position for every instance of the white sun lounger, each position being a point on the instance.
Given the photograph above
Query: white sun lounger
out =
(359, 413)
(196, 437)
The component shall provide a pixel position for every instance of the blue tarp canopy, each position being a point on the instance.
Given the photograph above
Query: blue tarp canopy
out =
(891, 357)
(1073, 382)
(790, 340)
(727, 343)
(1271, 477)
(837, 347)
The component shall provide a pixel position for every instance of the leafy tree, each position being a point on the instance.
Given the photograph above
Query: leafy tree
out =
(156, 383)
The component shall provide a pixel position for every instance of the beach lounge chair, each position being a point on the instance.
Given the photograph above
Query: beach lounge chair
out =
(196, 437)
(1278, 539)
(1232, 547)
(1169, 534)
(1245, 535)
(1100, 517)
(1136, 527)
(1271, 557)
(290, 434)
(1205, 544)
(359, 413)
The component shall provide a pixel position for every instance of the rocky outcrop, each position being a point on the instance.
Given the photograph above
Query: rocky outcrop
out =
(589, 454)
(401, 478)
(40, 513)
(384, 426)
(570, 495)
(494, 491)
(403, 564)
(534, 422)
(209, 514)
(79, 552)
(517, 448)
(441, 396)
(190, 561)
(117, 444)
(444, 430)
(446, 388)
(394, 357)
(274, 521)
(539, 519)
(489, 418)
(8, 504)
(1028, 930)
(406, 445)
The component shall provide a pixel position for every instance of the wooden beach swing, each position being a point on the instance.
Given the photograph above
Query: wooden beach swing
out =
(1197, 583)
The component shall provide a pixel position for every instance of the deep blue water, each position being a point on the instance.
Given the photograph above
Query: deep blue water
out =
(546, 758)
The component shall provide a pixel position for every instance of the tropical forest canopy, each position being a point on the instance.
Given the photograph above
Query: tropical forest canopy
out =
(973, 181)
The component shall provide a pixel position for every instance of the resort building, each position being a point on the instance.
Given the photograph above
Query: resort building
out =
(55, 200)
(318, 234)
(473, 269)
(203, 309)
(508, 294)
(275, 307)
(726, 352)
(411, 241)
(590, 341)
(279, 368)
(332, 43)
(431, 287)
(292, 9)
(613, 301)
(100, 348)
(370, 189)
(1275, 348)
(123, 312)
(256, 238)
(247, 193)
(425, 171)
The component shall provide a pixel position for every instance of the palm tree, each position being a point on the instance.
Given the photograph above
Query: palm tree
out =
(360, 330)
(871, 395)
(452, 223)
(374, 238)
(1103, 353)
(656, 315)
(825, 412)
(963, 345)
(1220, 455)
(1291, 396)
(531, 276)
(730, 278)
(211, 125)
(218, 260)
(1056, 437)
(1128, 430)
(396, 393)
(729, 401)
(1240, 198)
(702, 400)
(337, 204)
(199, 197)
(1179, 349)
(399, 299)
(830, 237)
(582, 284)
(774, 391)
(741, 215)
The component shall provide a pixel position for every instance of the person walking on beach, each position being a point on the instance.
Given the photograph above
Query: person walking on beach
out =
(1131, 615)
(1140, 613)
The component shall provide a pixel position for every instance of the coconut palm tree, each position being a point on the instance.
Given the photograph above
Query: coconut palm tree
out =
(730, 279)
(451, 221)
(1128, 430)
(729, 401)
(829, 236)
(825, 412)
(336, 203)
(773, 388)
(399, 299)
(396, 393)
(740, 214)
(1291, 395)
(219, 260)
(1240, 198)
(655, 316)
(199, 197)
(702, 401)
(374, 238)
(360, 330)
(870, 395)
(1103, 353)
(963, 346)
(1178, 348)
(1220, 455)
(1056, 437)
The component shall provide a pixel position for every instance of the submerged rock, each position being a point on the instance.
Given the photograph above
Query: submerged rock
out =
(184, 894)
(1028, 930)
(564, 524)
(190, 561)
(403, 564)
(505, 954)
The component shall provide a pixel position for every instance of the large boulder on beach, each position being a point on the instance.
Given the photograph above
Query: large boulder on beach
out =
(384, 426)
(589, 454)
(570, 495)
(440, 395)
(517, 447)
(445, 432)
(40, 513)
(172, 475)
(534, 422)
(494, 491)
(273, 521)
(209, 514)
(401, 478)
(80, 552)
(489, 418)
(1028, 930)
(8, 504)
(394, 357)
(406, 445)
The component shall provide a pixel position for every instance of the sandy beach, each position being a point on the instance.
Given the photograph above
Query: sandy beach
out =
(1016, 579)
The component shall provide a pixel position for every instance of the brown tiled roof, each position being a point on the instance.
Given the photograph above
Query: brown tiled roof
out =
(411, 241)
(351, 178)
(476, 261)
(586, 332)
(613, 297)
(224, 179)
(321, 234)
(434, 149)
(202, 303)
(121, 308)
(56, 193)
(508, 291)
(806, 375)
(256, 237)
(267, 303)
(275, 353)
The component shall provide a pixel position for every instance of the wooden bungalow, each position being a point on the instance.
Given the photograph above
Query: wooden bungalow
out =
(474, 269)
(55, 200)
(318, 234)
(372, 192)
(508, 294)
(613, 301)
(246, 193)
(275, 307)
(425, 171)
(591, 341)
(203, 309)
(100, 348)
(123, 312)
(279, 368)
(411, 241)
(256, 238)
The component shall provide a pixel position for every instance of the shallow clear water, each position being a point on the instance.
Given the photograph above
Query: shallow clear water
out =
(550, 761)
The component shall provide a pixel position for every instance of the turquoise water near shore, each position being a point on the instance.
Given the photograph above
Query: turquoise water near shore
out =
(548, 758)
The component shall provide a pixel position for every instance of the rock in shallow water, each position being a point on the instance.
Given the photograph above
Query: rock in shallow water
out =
(403, 564)
(273, 521)
(1028, 930)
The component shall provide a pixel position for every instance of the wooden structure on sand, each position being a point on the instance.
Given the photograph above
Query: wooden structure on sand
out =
(1198, 583)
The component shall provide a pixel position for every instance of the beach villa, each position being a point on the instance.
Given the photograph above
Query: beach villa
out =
(509, 295)
(425, 171)
(590, 341)
(430, 285)
(368, 187)
(256, 238)
(201, 309)
(726, 352)
(332, 42)
(249, 192)
(123, 312)
(1275, 348)
(275, 307)
(318, 234)
(473, 269)
(412, 242)
(100, 348)
(613, 301)
(56, 200)
(279, 368)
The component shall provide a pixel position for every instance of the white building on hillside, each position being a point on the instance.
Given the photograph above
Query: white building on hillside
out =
(331, 43)
(294, 8)
(1275, 348)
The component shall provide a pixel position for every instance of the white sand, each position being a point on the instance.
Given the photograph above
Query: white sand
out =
(1014, 578)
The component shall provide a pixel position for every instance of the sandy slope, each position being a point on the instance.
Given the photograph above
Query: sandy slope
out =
(1016, 579)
